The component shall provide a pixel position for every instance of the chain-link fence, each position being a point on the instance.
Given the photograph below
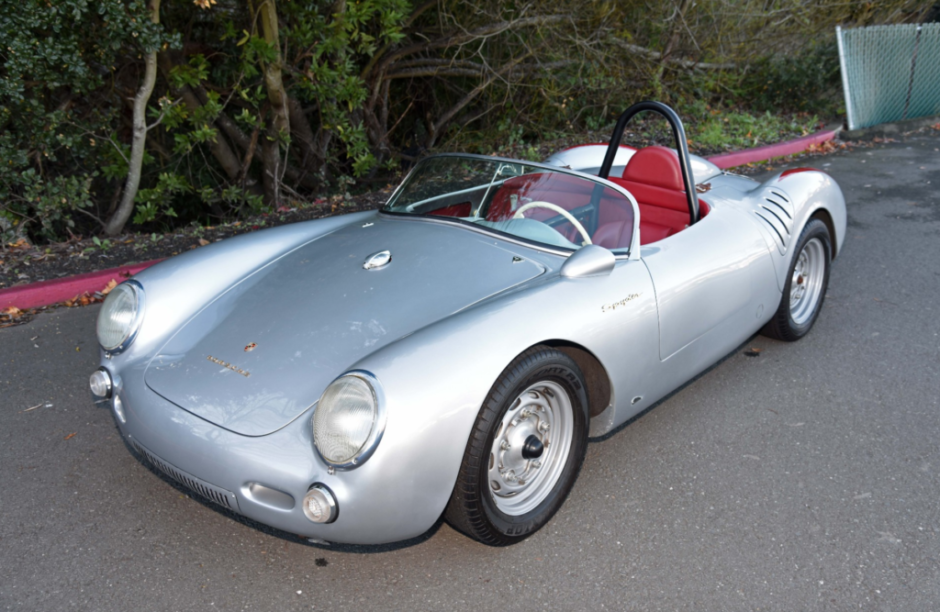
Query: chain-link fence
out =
(890, 73)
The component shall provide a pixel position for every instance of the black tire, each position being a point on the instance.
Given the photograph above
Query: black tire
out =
(790, 323)
(473, 508)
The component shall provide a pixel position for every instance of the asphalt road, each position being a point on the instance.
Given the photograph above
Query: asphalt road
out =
(806, 478)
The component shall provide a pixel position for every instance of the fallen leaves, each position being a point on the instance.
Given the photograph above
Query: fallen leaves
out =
(822, 148)
(10, 316)
(20, 245)
(70, 436)
(753, 352)
(82, 300)
(109, 287)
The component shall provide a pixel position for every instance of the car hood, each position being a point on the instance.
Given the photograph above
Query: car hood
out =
(260, 354)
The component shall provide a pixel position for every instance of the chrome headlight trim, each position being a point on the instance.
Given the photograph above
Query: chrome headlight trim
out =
(378, 424)
(131, 334)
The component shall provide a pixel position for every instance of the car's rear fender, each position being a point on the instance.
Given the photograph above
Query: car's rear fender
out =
(804, 195)
(813, 192)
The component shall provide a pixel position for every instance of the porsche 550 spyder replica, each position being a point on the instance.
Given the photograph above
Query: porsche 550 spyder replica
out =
(352, 379)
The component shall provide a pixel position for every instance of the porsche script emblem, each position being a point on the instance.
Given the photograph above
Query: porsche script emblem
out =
(623, 302)
(226, 364)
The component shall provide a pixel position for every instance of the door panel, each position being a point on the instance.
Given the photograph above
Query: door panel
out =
(718, 269)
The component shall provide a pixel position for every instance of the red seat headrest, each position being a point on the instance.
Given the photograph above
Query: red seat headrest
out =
(657, 166)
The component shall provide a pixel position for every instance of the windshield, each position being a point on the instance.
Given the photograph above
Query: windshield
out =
(537, 204)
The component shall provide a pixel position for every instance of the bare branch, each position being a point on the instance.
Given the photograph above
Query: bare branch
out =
(473, 93)
(465, 37)
(163, 112)
(656, 56)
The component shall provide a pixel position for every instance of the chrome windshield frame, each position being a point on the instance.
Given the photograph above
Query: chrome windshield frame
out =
(633, 252)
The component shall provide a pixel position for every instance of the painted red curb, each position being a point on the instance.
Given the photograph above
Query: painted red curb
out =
(748, 156)
(58, 290)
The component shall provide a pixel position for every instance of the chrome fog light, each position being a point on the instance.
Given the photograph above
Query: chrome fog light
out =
(320, 505)
(119, 408)
(100, 383)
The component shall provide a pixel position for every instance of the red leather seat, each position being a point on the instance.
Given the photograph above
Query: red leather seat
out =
(654, 177)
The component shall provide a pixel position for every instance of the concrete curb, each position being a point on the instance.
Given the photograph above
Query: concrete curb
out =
(58, 290)
(889, 129)
(791, 147)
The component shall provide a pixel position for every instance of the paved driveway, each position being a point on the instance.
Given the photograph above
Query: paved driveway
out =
(807, 478)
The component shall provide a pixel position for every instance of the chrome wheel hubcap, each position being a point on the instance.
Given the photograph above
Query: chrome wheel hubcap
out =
(530, 448)
(806, 284)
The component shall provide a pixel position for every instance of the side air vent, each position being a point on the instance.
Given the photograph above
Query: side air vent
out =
(224, 498)
(776, 210)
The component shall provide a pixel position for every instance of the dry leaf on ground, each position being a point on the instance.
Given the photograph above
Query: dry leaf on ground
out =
(111, 285)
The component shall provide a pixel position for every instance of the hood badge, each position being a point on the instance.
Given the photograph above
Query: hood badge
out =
(377, 260)
(226, 364)
(250, 347)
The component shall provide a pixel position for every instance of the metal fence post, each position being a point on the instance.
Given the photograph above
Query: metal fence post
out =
(850, 116)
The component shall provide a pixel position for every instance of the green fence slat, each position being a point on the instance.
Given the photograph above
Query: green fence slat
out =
(925, 92)
(890, 72)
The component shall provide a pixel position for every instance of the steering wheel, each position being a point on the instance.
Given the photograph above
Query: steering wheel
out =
(558, 209)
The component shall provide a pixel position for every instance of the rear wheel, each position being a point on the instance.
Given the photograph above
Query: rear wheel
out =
(525, 451)
(805, 289)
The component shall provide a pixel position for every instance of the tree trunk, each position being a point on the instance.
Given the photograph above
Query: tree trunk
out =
(303, 136)
(117, 221)
(675, 30)
(220, 149)
(277, 97)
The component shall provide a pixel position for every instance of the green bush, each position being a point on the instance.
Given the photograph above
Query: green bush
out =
(55, 69)
(807, 81)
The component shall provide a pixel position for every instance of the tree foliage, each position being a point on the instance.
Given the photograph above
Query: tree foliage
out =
(258, 101)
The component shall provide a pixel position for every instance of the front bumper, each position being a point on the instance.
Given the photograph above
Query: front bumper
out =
(265, 478)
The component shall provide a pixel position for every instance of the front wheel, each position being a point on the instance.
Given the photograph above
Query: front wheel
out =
(525, 451)
(805, 289)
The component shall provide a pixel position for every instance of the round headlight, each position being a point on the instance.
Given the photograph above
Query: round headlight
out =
(348, 420)
(120, 316)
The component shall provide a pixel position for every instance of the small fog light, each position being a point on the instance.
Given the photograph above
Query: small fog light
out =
(100, 383)
(119, 408)
(320, 505)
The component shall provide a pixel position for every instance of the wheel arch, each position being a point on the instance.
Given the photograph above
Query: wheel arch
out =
(823, 215)
(596, 377)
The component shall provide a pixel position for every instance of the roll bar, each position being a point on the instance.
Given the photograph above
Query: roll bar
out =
(681, 147)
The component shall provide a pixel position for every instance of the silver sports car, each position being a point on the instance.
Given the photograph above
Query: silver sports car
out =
(453, 352)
